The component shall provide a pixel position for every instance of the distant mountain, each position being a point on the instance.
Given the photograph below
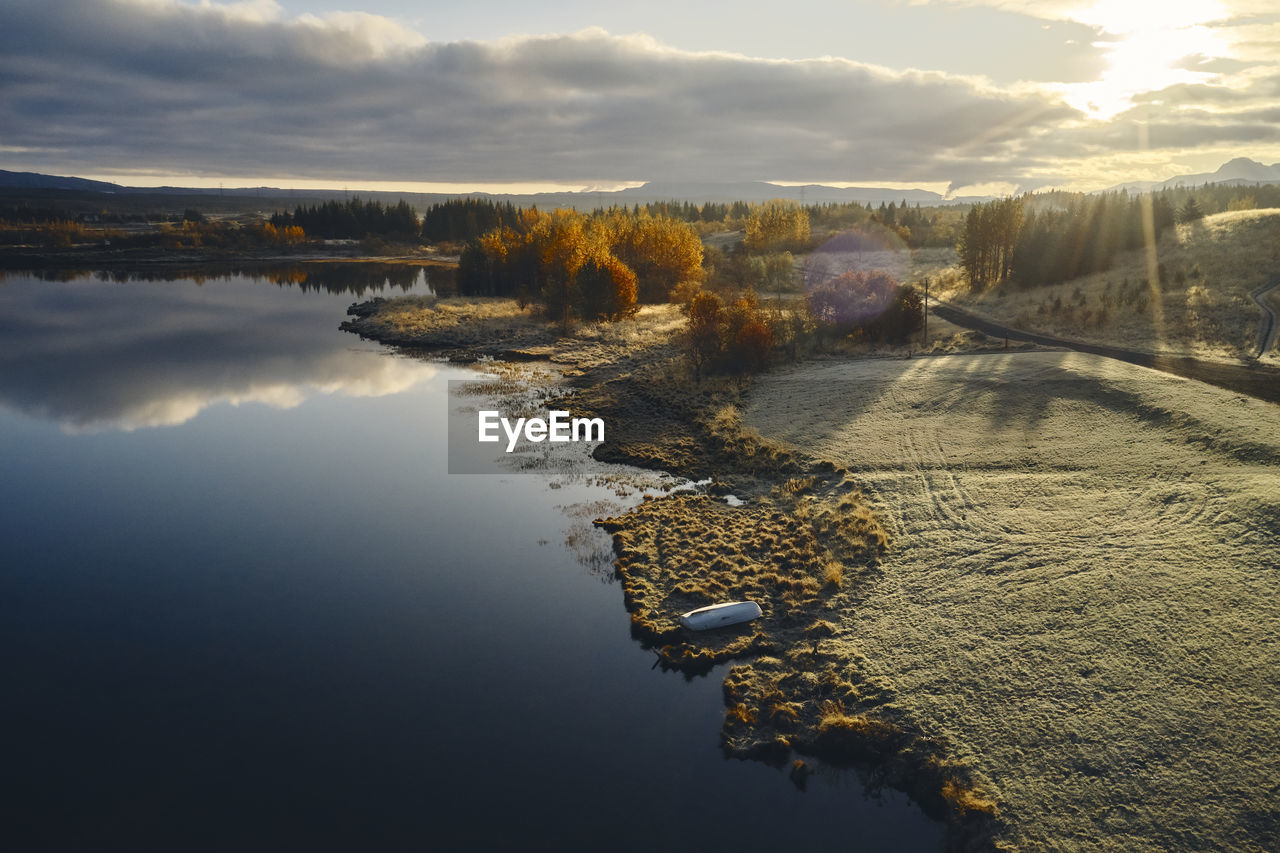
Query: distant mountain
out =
(763, 191)
(36, 181)
(1241, 170)
(749, 191)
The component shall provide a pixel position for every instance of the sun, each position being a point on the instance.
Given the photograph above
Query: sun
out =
(1148, 48)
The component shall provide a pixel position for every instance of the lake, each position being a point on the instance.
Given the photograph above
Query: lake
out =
(244, 607)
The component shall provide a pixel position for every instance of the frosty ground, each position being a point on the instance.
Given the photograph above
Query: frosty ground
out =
(1082, 596)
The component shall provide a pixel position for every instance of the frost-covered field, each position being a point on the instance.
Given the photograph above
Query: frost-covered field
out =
(1083, 591)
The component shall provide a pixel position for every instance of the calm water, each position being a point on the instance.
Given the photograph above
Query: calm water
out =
(243, 607)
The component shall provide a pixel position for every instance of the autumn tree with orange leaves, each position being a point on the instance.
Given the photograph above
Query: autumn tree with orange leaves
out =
(582, 267)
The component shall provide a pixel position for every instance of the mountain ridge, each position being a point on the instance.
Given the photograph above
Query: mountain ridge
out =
(1240, 170)
(652, 191)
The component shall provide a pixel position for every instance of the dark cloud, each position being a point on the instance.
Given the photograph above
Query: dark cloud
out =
(94, 87)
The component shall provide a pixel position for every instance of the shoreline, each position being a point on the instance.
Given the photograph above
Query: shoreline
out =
(802, 543)
(19, 258)
(850, 563)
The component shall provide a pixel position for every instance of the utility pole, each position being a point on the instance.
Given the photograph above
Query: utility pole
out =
(926, 312)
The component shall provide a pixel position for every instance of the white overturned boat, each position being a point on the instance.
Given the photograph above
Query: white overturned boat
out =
(719, 615)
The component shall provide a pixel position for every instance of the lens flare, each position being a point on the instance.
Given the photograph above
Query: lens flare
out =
(853, 276)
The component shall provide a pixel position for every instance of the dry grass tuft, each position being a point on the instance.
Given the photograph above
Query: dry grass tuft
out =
(725, 426)
(784, 715)
(967, 799)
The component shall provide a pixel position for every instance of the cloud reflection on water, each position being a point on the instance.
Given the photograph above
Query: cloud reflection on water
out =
(92, 355)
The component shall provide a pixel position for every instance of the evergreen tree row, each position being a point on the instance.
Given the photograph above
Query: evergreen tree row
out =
(459, 220)
(1038, 240)
(354, 219)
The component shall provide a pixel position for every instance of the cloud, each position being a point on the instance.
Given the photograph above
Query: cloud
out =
(1119, 16)
(242, 90)
(128, 85)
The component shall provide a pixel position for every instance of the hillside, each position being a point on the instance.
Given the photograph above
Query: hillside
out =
(1201, 306)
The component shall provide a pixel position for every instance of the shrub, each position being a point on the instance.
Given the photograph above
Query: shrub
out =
(604, 289)
(748, 338)
(870, 303)
(702, 334)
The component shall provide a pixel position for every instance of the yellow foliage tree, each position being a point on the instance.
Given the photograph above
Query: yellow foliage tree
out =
(776, 226)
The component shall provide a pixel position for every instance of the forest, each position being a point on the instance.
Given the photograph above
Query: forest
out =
(602, 265)
(353, 219)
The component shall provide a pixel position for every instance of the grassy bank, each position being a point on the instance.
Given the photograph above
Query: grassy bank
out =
(800, 538)
(1034, 589)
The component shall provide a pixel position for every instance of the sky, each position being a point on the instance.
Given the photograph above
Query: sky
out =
(959, 96)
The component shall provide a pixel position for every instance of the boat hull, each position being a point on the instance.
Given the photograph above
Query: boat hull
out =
(720, 615)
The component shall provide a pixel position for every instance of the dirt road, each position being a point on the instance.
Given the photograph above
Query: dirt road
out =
(1267, 334)
(1254, 380)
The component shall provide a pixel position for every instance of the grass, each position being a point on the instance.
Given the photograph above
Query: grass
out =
(1078, 626)
(470, 327)
(802, 547)
(685, 551)
(852, 737)
(826, 706)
